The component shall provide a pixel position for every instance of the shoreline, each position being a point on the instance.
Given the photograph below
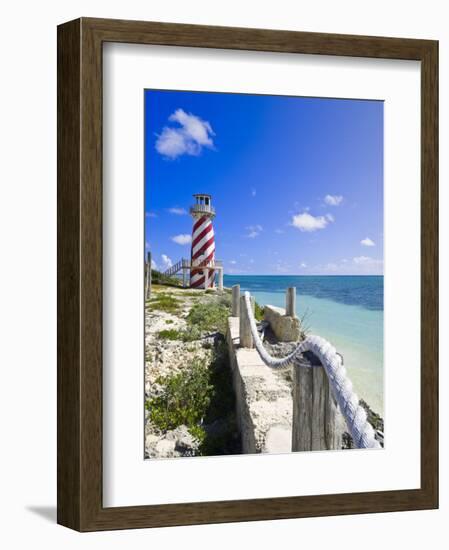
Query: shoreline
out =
(356, 331)
(171, 344)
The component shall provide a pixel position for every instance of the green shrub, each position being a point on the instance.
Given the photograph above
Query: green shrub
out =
(185, 398)
(191, 334)
(199, 433)
(197, 397)
(258, 312)
(209, 316)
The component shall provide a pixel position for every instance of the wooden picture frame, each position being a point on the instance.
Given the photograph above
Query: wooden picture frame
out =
(80, 504)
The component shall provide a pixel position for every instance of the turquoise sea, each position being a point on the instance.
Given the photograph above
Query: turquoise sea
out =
(346, 310)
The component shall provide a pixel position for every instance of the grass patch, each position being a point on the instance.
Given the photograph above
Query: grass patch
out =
(169, 321)
(183, 335)
(208, 317)
(165, 302)
(169, 334)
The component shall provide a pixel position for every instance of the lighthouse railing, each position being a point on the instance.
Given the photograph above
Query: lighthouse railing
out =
(202, 209)
(211, 264)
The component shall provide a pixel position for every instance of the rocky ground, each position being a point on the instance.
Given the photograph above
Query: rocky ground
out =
(166, 354)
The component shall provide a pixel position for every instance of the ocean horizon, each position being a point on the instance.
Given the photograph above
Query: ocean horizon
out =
(347, 310)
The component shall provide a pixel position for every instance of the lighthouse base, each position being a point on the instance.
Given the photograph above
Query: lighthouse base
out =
(202, 278)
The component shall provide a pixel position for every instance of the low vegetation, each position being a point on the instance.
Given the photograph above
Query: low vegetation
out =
(165, 302)
(210, 316)
(185, 398)
(199, 397)
(258, 312)
(182, 335)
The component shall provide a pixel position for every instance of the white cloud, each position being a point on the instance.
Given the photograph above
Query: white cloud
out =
(166, 262)
(359, 265)
(178, 211)
(151, 215)
(366, 261)
(153, 264)
(367, 242)
(307, 222)
(333, 200)
(188, 138)
(279, 231)
(254, 231)
(303, 265)
(182, 239)
(233, 262)
(253, 192)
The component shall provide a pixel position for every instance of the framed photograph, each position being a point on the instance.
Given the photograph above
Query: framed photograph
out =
(247, 274)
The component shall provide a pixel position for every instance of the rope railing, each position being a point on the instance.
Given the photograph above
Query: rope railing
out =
(354, 414)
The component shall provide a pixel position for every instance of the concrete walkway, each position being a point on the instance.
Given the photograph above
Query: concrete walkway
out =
(264, 400)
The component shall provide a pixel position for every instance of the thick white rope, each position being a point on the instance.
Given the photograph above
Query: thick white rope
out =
(354, 414)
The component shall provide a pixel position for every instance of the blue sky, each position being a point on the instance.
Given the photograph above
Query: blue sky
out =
(297, 183)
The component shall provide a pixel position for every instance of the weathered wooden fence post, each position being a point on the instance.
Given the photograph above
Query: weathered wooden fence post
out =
(317, 421)
(236, 300)
(290, 302)
(246, 339)
(220, 279)
(148, 277)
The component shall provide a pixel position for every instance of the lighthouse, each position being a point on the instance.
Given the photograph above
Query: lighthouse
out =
(202, 259)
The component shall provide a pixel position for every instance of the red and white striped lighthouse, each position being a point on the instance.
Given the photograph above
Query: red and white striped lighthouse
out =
(203, 243)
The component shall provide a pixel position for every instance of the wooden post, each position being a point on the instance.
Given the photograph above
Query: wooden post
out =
(149, 274)
(220, 280)
(147, 277)
(290, 302)
(184, 273)
(317, 421)
(235, 300)
(246, 339)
